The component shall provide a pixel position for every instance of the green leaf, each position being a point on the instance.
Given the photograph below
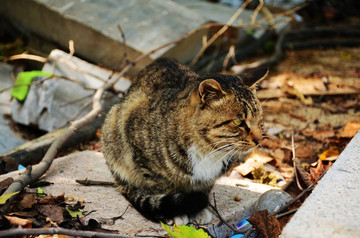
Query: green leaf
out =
(23, 80)
(40, 192)
(4, 198)
(184, 231)
(74, 213)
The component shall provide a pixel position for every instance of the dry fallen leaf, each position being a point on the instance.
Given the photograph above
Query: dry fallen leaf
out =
(17, 221)
(351, 128)
(316, 172)
(269, 226)
(253, 161)
(56, 213)
(264, 176)
(330, 153)
(320, 135)
(26, 202)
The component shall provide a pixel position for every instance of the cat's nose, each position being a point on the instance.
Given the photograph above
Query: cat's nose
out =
(257, 136)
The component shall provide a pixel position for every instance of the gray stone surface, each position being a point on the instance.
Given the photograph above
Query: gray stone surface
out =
(106, 202)
(8, 139)
(333, 208)
(147, 24)
(93, 25)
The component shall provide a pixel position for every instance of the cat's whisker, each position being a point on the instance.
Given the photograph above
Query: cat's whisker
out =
(226, 157)
(219, 142)
(220, 149)
(229, 147)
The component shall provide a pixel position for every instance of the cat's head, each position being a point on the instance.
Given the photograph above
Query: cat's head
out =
(227, 114)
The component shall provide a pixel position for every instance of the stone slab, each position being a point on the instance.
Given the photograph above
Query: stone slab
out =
(147, 24)
(333, 208)
(93, 25)
(106, 202)
(8, 138)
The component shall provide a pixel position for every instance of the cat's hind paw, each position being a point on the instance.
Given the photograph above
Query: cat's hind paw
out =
(202, 217)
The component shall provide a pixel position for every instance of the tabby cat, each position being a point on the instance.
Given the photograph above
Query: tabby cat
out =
(175, 133)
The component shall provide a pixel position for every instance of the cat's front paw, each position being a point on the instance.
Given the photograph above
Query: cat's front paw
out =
(203, 217)
(180, 220)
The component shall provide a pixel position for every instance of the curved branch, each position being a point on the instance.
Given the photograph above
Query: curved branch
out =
(63, 231)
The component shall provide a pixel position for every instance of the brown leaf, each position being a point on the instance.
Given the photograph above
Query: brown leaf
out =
(269, 226)
(319, 170)
(47, 200)
(271, 143)
(303, 152)
(4, 184)
(27, 214)
(253, 161)
(17, 221)
(27, 202)
(51, 200)
(330, 153)
(350, 129)
(320, 135)
(55, 213)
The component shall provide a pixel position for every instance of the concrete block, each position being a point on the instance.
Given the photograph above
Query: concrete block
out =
(333, 208)
(147, 24)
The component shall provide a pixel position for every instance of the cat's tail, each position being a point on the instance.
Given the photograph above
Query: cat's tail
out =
(160, 207)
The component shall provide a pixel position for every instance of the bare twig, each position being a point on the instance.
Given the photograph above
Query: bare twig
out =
(271, 17)
(29, 57)
(71, 48)
(248, 232)
(220, 32)
(124, 58)
(230, 55)
(63, 231)
(286, 213)
(294, 162)
(87, 182)
(256, 11)
(299, 196)
(44, 60)
(214, 208)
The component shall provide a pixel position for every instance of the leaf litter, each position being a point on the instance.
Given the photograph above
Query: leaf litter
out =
(314, 97)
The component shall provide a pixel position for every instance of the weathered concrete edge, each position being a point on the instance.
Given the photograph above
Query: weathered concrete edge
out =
(62, 37)
(333, 208)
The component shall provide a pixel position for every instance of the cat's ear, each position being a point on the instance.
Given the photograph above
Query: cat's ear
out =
(210, 90)
(252, 78)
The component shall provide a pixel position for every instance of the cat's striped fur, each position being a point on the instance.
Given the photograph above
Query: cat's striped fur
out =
(174, 134)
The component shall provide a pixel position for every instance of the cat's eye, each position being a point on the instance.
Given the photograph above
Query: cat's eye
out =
(241, 123)
(238, 122)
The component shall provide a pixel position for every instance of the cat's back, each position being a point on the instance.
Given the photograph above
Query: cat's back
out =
(163, 74)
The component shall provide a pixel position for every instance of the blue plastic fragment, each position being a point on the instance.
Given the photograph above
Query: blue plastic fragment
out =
(21, 167)
(242, 225)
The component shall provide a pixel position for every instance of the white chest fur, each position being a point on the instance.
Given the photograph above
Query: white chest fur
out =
(205, 167)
